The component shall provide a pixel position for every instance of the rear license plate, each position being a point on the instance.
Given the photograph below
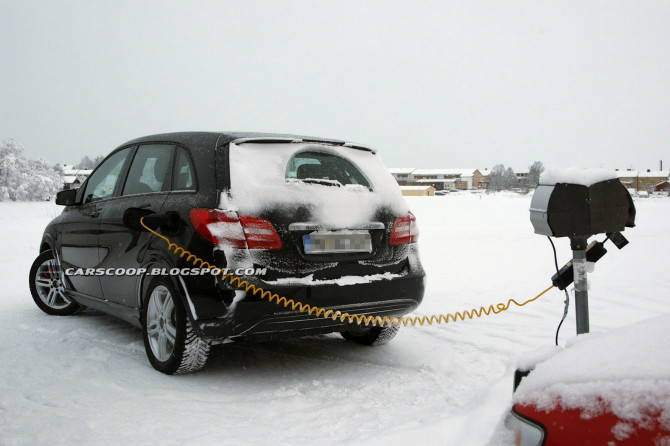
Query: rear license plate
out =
(337, 242)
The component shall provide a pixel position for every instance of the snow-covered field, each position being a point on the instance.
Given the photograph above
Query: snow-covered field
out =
(85, 378)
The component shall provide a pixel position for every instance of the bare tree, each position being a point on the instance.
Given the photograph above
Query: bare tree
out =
(85, 163)
(534, 172)
(88, 163)
(502, 179)
(496, 178)
(509, 180)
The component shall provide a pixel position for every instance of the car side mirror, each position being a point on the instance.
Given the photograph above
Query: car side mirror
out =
(66, 197)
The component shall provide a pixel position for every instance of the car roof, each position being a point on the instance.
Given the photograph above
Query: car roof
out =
(221, 138)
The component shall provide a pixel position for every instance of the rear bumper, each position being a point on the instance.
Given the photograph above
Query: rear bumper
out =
(254, 317)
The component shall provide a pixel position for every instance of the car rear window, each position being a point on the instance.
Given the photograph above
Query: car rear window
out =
(268, 177)
(324, 166)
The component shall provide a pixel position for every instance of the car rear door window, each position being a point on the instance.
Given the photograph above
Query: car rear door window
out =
(184, 174)
(150, 170)
(102, 182)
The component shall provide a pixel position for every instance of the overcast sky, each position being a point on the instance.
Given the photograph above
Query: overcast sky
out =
(430, 84)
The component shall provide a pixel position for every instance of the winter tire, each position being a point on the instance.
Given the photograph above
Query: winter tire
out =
(171, 344)
(370, 336)
(47, 286)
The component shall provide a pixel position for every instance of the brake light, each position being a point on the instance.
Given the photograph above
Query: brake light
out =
(260, 233)
(238, 231)
(405, 230)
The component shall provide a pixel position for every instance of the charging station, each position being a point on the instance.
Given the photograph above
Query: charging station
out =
(579, 211)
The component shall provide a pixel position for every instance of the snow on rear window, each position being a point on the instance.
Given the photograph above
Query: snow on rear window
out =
(262, 176)
(324, 168)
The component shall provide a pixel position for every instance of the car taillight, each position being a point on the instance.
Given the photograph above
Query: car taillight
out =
(238, 231)
(260, 233)
(405, 230)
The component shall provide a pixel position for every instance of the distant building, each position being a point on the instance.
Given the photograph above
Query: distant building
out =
(648, 180)
(463, 179)
(628, 178)
(71, 182)
(663, 186)
(73, 178)
(522, 179)
(439, 179)
(402, 175)
(416, 191)
(484, 175)
(642, 180)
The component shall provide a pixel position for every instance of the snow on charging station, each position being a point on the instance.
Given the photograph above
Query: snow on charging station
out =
(579, 203)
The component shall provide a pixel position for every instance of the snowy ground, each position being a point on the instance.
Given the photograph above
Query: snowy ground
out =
(86, 379)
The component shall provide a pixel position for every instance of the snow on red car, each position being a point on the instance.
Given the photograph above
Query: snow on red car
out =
(602, 389)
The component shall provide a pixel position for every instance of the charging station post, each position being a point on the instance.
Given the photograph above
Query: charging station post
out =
(578, 246)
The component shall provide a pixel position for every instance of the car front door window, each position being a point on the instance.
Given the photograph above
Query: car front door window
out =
(102, 182)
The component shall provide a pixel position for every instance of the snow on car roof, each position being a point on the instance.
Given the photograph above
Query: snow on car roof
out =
(625, 371)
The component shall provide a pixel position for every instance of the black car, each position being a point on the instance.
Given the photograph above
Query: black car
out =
(315, 220)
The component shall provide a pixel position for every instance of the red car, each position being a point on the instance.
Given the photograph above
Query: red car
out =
(602, 389)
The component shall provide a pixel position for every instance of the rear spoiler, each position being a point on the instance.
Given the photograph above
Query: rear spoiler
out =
(284, 140)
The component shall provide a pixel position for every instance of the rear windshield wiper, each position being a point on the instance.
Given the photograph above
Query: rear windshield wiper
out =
(321, 181)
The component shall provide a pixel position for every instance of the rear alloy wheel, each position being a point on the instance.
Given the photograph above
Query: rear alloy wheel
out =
(171, 344)
(370, 336)
(47, 286)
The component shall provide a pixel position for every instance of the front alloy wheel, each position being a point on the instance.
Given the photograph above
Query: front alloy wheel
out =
(47, 286)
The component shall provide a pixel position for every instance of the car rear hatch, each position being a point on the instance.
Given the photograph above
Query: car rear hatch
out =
(334, 208)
